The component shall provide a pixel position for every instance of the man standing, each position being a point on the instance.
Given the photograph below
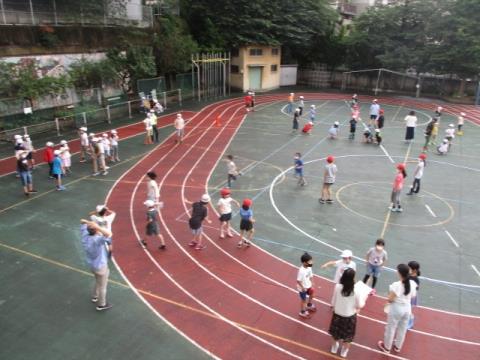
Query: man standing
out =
(374, 112)
(96, 241)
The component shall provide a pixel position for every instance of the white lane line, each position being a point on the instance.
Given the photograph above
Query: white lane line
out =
(430, 211)
(451, 238)
(475, 269)
(386, 153)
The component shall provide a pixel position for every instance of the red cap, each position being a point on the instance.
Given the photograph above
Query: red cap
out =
(330, 159)
(422, 156)
(401, 166)
(382, 111)
(247, 202)
(225, 192)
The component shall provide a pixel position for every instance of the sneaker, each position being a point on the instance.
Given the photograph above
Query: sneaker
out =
(381, 346)
(200, 247)
(192, 243)
(82, 161)
(344, 352)
(230, 235)
(321, 201)
(329, 201)
(393, 209)
(107, 167)
(240, 244)
(104, 307)
(94, 299)
(304, 314)
(96, 174)
(162, 247)
(311, 308)
(334, 347)
(222, 236)
(27, 194)
(400, 209)
(105, 173)
(33, 191)
(144, 243)
(61, 188)
(395, 349)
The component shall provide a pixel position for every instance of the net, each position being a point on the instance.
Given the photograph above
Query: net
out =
(146, 86)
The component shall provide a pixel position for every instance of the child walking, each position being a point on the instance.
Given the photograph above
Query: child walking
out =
(376, 258)
(28, 145)
(224, 206)
(152, 227)
(417, 175)
(199, 213)
(48, 157)
(305, 286)
(329, 176)
(246, 223)
(397, 188)
(291, 100)
(313, 112)
(296, 116)
(353, 126)
(57, 170)
(232, 171)
(299, 169)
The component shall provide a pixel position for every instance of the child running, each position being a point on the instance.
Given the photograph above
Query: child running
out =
(329, 176)
(246, 223)
(299, 169)
(152, 227)
(376, 258)
(224, 206)
(397, 188)
(418, 173)
(305, 286)
(199, 213)
(232, 171)
(414, 267)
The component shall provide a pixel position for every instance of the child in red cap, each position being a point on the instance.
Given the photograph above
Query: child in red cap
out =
(397, 188)
(328, 180)
(246, 223)
(225, 209)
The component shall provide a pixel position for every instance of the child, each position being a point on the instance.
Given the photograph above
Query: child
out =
(442, 149)
(179, 128)
(106, 147)
(57, 170)
(103, 216)
(84, 143)
(368, 135)
(376, 258)
(305, 286)
(199, 213)
(232, 171)
(460, 122)
(428, 133)
(353, 126)
(354, 101)
(152, 224)
(450, 134)
(307, 129)
(313, 113)
(329, 176)
(153, 191)
(438, 111)
(397, 188)
(225, 209)
(296, 115)
(92, 141)
(248, 101)
(65, 156)
(148, 130)
(252, 102)
(381, 119)
(158, 107)
(378, 137)
(434, 132)
(374, 112)
(414, 267)
(48, 157)
(114, 145)
(291, 99)
(341, 265)
(299, 169)
(28, 145)
(333, 131)
(246, 223)
(301, 105)
(100, 153)
(417, 175)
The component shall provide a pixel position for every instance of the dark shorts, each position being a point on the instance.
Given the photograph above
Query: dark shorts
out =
(343, 328)
(246, 225)
(303, 294)
(225, 217)
(327, 185)
(152, 229)
(373, 117)
(57, 176)
(295, 125)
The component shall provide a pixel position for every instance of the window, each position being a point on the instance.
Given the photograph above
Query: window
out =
(256, 52)
(234, 69)
(275, 51)
(273, 68)
(234, 52)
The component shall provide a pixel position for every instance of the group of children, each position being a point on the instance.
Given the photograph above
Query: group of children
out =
(101, 150)
(349, 298)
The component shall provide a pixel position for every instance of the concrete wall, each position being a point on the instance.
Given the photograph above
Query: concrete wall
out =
(270, 80)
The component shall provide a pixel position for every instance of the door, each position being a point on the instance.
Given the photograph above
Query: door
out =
(255, 77)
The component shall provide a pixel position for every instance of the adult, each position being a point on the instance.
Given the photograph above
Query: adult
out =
(329, 176)
(153, 121)
(23, 170)
(374, 111)
(291, 99)
(399, 311)
(158, 107)
(179, 128)
(92, 141)
(411, 122)
(103, 216)
(100, 155)
(96, 241)
(345, 305)
(84, 144)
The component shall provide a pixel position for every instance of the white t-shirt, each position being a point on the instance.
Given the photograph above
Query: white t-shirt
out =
(374, 109)
(411, 120)
(104, 221)
(450, 132)
(106, 144)
(340, 268)
(114, 140)
(225, 205)
(461, 120)
(232, 168)
(345, 306)
(398, 288)
(27, 144)
(65, 152)
(153, 192)
(179, 123)
(443, 148)
(331, 171)
(419, 170)
(84, 139)
(305, 276)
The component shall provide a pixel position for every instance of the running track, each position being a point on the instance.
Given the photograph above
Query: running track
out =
(242, 303)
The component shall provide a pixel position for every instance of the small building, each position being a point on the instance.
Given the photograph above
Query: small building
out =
(255, 67)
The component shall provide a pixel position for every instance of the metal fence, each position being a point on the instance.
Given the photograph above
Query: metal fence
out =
(56, 12)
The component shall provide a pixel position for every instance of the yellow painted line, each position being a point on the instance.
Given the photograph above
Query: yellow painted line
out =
(171, 302)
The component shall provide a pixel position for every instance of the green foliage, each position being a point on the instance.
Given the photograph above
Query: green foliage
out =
(7, 82)
(90, 74)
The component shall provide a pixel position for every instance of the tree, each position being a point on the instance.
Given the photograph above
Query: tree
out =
(6, 78)
(91, 74)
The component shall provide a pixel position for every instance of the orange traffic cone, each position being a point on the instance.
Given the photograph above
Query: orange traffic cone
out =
(218, 121)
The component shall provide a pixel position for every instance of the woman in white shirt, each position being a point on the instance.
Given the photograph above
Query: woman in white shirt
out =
(411, 121)
(345, 304)
(399, 311)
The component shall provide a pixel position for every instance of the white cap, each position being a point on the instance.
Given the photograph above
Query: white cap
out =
(155, 101)
(26, 136)
(57, 152)
(310, 122)
(291, 94)
(301, 97)
(63, 142)
(179, 115)
(463, 114)
(312, 106)
(99, 208)
(346, 254)
(377, 130)
(19, 141)
(451, 125)
(49, 143)
(113, 131)
(205, 198)
(375, 100)
(152, 111)
(83, 128)
(105, 135)
(336, 123)
(297, 110)
(445, 141)
(17, 136)
(91, 134)
(149, 203)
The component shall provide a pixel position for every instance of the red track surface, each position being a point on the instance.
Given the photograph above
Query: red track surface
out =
(207, 294)
(7, 165)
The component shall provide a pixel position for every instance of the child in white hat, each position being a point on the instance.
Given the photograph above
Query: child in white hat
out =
(114, 145)
(199, 213)
(340, 265)
(333, 131)
(58, 170)
(65, 156)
